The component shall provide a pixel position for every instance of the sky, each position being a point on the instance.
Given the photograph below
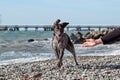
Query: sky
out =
(72, 11)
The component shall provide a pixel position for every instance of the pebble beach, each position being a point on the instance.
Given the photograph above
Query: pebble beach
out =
(89, 68)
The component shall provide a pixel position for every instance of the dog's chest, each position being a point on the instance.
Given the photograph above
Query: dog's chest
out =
(62, 43)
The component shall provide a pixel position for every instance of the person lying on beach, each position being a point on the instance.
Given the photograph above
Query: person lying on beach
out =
(112, 36)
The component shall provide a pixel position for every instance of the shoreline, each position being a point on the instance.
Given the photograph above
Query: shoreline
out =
(89, 68)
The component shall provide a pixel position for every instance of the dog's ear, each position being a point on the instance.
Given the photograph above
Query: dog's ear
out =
(64, 24)
(56, 22)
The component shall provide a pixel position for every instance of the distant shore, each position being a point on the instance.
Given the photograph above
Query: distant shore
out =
(89, 68)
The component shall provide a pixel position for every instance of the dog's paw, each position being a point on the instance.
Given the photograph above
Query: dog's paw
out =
(59, 64)
(77, 64)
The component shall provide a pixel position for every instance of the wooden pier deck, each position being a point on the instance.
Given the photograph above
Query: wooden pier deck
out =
(50, 27)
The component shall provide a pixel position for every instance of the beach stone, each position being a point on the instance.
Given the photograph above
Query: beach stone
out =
(96, 34)
(37, 75)
(46, 70)
(31, 40)
(77, 38)
(73, 37)
(46, 39)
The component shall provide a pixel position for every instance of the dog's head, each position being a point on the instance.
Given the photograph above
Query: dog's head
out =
(59, 27)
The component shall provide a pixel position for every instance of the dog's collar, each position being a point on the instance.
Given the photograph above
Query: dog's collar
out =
(57, 37)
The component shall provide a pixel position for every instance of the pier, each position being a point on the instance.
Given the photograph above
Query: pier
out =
(50, 27)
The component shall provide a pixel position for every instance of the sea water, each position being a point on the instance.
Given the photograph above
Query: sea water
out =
(15, 48)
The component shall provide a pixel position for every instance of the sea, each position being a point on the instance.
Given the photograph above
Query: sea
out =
(15, 48)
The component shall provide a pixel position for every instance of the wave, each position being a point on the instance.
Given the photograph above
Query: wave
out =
(24, 60)
(100, 50)
(40, 49)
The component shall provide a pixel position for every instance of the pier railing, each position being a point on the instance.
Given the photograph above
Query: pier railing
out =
(50, 27)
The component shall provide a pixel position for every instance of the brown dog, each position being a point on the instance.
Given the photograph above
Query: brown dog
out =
(61, 41)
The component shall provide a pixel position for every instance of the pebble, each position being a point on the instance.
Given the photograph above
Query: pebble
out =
(89, 68)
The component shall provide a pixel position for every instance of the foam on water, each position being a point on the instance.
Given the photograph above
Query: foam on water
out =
(23, 60)
(24, 57)
(100, 50)
(20, 57)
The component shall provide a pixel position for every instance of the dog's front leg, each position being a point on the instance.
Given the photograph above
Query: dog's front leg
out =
(56, 53)
(61, 53)
(55, 48)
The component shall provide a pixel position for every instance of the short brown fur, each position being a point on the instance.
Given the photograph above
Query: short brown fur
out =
(61, 41)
